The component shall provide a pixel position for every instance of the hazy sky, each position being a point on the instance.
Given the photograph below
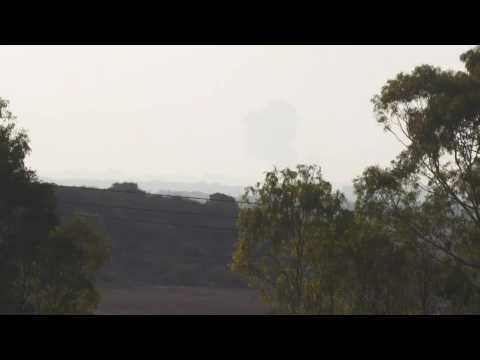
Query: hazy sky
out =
(205, 113)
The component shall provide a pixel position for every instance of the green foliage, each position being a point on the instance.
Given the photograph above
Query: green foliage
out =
(74, 253)
(296, 221)
(396, 271)
(26, 216)
(32, 258)
(436, 114)
(412, 244)
(429, 199)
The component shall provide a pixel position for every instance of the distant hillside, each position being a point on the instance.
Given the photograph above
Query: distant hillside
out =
(200, 189)
(159, 240)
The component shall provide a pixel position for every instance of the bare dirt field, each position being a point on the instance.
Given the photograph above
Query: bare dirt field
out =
(181, 301)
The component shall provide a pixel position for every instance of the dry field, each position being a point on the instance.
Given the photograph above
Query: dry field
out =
(181, 301)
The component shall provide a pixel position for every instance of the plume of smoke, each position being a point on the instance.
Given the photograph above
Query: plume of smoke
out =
(270, 133)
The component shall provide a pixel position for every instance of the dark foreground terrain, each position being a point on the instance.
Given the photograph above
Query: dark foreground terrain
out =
(170, 255)
(159, 241)
(179, 300)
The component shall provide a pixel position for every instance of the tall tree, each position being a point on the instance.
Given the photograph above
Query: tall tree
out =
(289, 238)
(26, 217)
(34, 251)
(436, 115)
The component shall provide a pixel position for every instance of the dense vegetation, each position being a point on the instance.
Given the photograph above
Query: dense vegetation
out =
(45, 266)
(158, 240)
(411, 245)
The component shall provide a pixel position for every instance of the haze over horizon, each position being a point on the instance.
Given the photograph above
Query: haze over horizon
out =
(205, 114)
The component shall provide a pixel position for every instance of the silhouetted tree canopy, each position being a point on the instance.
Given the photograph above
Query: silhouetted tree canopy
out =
(412, 243)
(27, 218)
(127, 187)
(221, 198)
(436, 115)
